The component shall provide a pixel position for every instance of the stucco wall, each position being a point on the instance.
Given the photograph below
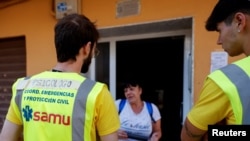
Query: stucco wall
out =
(33, 18)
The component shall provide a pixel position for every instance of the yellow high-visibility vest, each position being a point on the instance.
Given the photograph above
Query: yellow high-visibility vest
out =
(60, 106)
(234, 80)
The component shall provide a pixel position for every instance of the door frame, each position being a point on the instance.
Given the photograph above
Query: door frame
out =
(122, 33)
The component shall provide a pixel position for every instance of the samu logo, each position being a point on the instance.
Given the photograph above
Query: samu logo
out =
(27, 113)
(45, 117)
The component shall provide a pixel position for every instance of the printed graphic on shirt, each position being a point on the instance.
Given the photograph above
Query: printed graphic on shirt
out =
(58, 91)
(136, 130)
(46, 83)
(137, 126)
(27, 113)
(42, 96)
(37, 116)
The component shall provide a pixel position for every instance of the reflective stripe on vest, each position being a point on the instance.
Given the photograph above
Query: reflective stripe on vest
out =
(78, 122)
(18, 98)
(80, 105)
(235, 82)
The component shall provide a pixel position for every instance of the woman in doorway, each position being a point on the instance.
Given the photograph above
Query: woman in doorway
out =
(140, 120)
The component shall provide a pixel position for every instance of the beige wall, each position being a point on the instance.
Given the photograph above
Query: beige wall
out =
(33, 18)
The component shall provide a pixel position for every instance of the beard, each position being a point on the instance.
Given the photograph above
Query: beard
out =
(85, 65)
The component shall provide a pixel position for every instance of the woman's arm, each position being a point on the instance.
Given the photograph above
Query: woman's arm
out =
(156, 131)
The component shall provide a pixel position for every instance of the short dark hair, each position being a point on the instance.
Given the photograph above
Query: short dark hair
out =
(132, 80)
(224, 10)
(71, 33)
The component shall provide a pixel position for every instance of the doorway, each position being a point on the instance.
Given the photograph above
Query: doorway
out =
(158, 62)
(161, 50)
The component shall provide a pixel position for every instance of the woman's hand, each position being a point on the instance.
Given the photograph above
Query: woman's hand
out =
(122, 134)
(154, 137)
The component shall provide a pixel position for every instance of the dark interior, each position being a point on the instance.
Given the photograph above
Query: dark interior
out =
(158, 62)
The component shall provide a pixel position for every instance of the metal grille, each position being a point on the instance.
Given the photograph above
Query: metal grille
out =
(12, 66)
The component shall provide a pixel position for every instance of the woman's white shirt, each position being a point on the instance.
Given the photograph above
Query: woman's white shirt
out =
(137, 125)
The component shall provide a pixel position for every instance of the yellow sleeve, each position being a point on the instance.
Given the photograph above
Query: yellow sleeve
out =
(108, 118)
(14, 114)
(212, 106)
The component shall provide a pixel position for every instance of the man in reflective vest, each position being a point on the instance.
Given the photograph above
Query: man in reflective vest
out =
(225, 96)
(61, 104)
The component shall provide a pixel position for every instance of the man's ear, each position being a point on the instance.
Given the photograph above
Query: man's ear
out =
(240, 20)
(87, 49)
